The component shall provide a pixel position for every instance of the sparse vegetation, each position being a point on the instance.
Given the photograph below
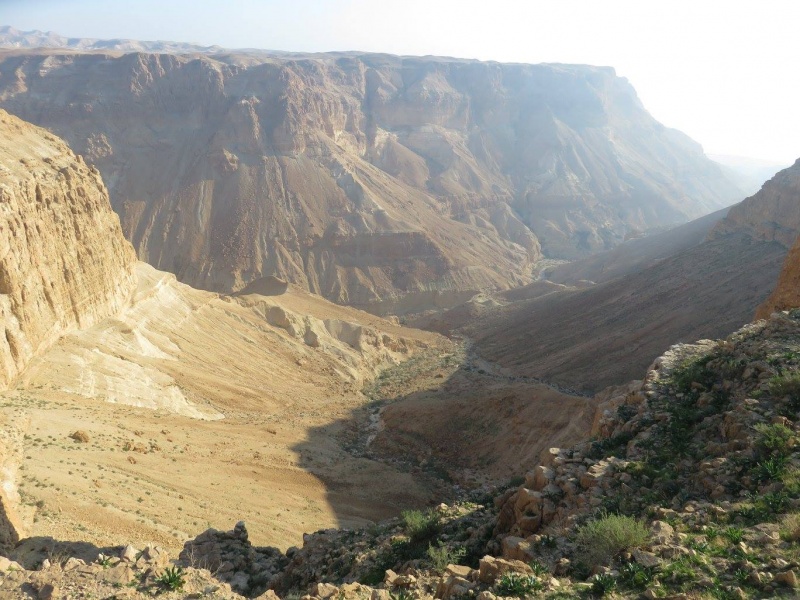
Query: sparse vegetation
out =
(790, 527)
(603, 583)
(601, 540)
(442, 555)
(518, 585)
(421, 526)
(172, 579)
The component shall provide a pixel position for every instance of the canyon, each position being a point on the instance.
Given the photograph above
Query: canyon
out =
(144, 378)
(393, 184)
(339, 287)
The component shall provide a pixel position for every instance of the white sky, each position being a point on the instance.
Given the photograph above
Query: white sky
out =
(724, 72)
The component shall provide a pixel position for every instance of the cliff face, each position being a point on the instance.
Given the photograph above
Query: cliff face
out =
(787, 292)
(365, 178)
(63, 260)
(771, 215)
(784, 198)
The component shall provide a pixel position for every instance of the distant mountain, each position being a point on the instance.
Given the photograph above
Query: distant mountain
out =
(26, 40)
(749, 173)
(393, 184)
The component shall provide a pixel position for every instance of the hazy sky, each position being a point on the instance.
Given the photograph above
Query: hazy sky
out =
(724, 72)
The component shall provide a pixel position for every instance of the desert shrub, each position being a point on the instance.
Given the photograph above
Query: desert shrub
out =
(441, 556)
(172, 579)
(602, 583)
(600, 540)
(774, 440)
(781, 386)
(398, 552)
(610, 446)
(771, 469)
(625, 412)
(790, 527)
(421, 526)
(734, 534)
(680, 571)
(517, 585)
(538, 568)
(694, 371)
(636, 576)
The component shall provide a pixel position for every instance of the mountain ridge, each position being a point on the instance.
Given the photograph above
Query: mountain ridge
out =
(226, 169)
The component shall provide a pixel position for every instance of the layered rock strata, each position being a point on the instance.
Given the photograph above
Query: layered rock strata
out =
(64, 262)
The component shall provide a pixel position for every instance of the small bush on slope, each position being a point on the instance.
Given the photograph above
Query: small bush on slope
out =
(601, 540)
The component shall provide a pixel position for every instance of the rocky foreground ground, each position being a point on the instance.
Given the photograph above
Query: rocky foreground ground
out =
(690, 490)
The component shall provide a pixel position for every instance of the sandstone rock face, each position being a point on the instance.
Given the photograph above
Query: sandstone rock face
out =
(63, 260)
(364, 178)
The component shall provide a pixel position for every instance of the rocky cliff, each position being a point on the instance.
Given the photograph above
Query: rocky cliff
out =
(772, 214)
(365, 178)
(787, 292)
(63, 260)
(782, 194)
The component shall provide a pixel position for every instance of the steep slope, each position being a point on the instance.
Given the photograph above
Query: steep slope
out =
(63, 260)
(589, 337)
(634, 255)
(773, 214)
(135, 419)
(383, 182)
(603, 335)
(787, 292)
(145, 378)
(689, 489)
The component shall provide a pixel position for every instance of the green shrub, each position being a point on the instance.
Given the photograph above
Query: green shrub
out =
(781, 386)
(601, 540)
(538, 568)
(517, 585)
(421, 526)
(172, 579)
(681, 571)
(774, 439)
(694, 371)
(602, 583)
(771, 469)
(790, 528)
(636, 576)
(734, 534)
(441, 556)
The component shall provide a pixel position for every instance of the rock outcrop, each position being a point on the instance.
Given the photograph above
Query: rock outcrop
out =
(64, 262)
(771, 215)
(787, 292)
(377, 181)
(779, 220)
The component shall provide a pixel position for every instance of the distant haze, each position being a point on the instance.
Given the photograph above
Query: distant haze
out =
(722, 72)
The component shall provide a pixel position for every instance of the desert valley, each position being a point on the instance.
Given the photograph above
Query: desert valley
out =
(357, 325)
